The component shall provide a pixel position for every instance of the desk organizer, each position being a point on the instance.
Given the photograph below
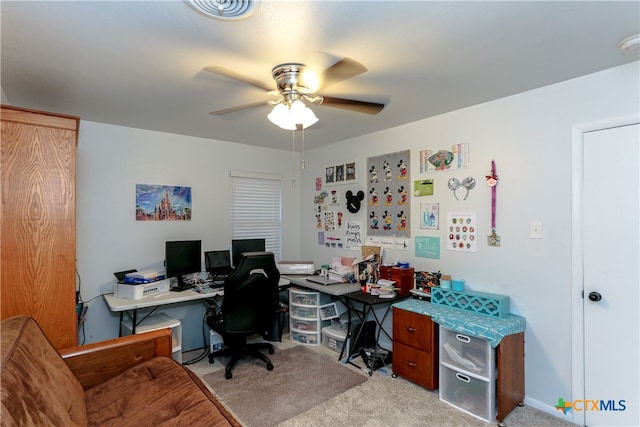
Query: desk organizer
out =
(481, 303)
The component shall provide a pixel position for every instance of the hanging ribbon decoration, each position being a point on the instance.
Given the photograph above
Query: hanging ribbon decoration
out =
(492, 181)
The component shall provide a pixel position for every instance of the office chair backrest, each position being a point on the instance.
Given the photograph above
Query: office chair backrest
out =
(251, 294)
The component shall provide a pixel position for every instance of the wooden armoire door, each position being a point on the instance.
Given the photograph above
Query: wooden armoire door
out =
(38, 231)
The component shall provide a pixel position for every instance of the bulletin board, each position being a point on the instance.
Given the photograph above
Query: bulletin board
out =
(388, 199)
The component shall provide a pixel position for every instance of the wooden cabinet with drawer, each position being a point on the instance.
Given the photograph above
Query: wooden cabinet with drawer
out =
(415, 348)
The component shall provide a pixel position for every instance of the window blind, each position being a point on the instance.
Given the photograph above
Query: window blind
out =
(256, 209)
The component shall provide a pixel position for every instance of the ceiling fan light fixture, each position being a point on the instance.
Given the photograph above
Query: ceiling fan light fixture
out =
(630, 45)
(227, 10)
(290, 117)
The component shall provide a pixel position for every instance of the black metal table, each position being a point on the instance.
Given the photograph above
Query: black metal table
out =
(363, 305)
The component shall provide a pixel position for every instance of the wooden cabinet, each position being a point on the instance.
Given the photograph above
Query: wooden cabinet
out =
(404, 278)
(510, 369)
(38, 240)
(415, 348)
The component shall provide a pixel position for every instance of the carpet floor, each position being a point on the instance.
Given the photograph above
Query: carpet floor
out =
(380, 401)
(301, 379)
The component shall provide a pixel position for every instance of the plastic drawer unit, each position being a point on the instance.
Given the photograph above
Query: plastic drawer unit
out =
(468, 374)
(333, 338)
(470, 394)
(335, 335)
(305, 324)
(462, 352)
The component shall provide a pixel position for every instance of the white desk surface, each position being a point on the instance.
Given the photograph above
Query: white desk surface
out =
(123, 304)
(335, 290)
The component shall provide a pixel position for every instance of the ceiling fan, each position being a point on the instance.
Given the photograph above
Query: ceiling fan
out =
(295, 82)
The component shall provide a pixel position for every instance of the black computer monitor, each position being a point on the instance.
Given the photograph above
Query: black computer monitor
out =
(183, 257)
(239, 246)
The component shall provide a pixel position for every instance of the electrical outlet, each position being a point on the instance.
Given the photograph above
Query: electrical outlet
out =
(535, 229)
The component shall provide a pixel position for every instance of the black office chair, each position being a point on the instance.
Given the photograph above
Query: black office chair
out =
(248, 308)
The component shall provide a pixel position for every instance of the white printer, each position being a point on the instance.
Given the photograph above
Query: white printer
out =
(141, 290)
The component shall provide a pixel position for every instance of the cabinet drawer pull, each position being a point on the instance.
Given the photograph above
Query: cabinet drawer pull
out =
(463, 338)
(410, 328)
(411, 364)
(463, 378)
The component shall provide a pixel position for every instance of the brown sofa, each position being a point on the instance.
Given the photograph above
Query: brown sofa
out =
(129, 381)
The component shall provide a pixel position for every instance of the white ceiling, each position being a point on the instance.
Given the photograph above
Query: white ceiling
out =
(140, 64)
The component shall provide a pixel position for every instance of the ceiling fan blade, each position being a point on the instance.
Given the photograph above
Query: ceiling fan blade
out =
(239, 108)
(237, 76)
(352, 104)
(342, 70)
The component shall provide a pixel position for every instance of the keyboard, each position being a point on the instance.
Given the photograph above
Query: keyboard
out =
(182, 288)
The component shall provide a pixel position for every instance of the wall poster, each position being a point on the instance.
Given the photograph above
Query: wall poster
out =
(462, 232)
(353, 235)
(388, 201)
(430, 216)
(428, 247)
(341, 173)
(163, 203)
(450, 158)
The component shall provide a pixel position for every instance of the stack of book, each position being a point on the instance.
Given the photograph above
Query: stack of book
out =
(384, 288)
(341, 276)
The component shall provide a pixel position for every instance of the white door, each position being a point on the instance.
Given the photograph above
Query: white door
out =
(611, 238)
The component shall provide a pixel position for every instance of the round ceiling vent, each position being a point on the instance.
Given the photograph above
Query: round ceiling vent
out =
(227, 10)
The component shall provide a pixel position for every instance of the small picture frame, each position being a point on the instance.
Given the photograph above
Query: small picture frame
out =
(341, 173)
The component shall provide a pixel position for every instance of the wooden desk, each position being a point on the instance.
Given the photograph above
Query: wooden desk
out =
(123, 305)
(363, 304)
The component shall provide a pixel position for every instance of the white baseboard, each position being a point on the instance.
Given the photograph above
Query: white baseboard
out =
(549, 409)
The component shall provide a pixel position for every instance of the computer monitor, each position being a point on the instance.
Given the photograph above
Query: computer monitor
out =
(218, 263)
(182, 257)
(239, 246)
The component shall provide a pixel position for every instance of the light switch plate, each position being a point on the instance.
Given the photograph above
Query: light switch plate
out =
(535, 229)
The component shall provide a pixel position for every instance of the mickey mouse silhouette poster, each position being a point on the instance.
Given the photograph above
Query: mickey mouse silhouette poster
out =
(388, 202)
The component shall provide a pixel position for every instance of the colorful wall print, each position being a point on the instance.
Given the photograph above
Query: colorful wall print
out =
(388, 201)
(329, 221)
(462, 232)
(163, 203)
(429, 216)
(423, 187)
(452, 158)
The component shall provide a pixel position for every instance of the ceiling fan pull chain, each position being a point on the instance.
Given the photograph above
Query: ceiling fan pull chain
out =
(293, 159)
(302, 163)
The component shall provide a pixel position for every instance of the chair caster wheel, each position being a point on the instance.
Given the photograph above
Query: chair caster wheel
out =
(271, 350)
(394, 376)
(269, 366)
(228, 375)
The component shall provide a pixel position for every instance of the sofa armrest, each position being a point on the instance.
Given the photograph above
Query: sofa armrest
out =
(97, 362)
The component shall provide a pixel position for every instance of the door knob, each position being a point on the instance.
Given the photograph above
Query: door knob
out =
(595, 296)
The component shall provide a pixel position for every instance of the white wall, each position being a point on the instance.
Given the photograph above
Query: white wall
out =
(111, 161)
(529, 136)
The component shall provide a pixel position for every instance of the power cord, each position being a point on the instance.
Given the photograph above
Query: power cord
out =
(205, 353)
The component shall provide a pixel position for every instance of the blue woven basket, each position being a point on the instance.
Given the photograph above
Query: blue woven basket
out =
(477, 302)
